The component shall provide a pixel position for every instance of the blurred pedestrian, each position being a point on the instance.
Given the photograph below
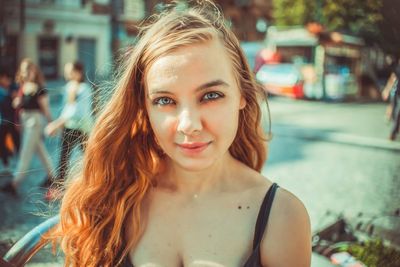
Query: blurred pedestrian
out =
(9, 135)
(32, 101)
(75, 119)
(391, 92)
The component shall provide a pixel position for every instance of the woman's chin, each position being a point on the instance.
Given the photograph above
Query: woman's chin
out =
(194, 165)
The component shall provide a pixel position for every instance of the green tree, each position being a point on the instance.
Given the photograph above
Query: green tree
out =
(376, 21)
(293, 12)
(353, 16)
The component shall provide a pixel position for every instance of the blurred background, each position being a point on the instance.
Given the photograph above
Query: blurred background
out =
(324, 64)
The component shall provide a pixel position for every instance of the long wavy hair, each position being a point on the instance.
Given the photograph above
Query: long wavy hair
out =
(122, 156)
(28, 71)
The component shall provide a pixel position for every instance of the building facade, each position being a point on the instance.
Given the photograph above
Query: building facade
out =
(249, 19)
(54, 32)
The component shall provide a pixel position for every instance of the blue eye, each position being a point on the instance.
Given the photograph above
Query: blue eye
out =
(163, 101)
(212, 96)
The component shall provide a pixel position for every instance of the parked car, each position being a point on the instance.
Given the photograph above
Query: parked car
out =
(251, 51)
(266, 56)
(281, 79)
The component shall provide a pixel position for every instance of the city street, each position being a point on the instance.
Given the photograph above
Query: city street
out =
(333, 156)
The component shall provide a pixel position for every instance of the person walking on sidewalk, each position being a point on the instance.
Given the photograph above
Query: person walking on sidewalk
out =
(32, 102)
(7, 121)
(391, 92)
(75, 119)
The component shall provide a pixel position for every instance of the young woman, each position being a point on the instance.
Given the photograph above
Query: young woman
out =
(32, 102)
(171, 173)
(75, 119)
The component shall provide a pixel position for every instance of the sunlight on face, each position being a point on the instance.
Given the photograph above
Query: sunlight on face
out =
(193, 104)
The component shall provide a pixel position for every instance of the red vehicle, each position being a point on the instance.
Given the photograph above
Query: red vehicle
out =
(265, 56)
(281, 79)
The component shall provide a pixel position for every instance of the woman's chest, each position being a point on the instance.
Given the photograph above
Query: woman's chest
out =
(205, 234)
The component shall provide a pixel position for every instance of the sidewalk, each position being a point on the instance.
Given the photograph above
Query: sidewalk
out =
(360, 124)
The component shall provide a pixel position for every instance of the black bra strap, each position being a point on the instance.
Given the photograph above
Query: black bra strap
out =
(263, 215)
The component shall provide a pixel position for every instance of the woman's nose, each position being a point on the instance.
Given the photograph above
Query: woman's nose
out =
(189, 122)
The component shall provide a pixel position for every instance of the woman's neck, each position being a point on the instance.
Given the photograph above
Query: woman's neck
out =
(196, 183)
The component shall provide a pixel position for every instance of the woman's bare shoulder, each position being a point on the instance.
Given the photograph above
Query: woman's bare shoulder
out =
(287, 238)
(250, 178)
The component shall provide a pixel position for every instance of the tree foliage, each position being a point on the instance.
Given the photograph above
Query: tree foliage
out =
(377, 21)
(375, 253)
(293, 12)
(353, 16)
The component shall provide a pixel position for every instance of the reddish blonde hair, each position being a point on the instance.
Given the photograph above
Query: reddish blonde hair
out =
(122, 156)
(26, 67)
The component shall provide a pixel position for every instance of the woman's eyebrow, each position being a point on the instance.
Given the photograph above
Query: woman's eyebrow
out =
(212, 84)
(156, 92)
(199, 88)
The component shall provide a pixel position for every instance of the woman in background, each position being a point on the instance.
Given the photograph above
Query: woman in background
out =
(75, 119)
(32, 101)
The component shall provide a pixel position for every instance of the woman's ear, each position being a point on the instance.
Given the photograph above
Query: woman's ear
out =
(242, 103)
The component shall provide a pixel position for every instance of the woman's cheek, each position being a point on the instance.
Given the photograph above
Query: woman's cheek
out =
(163, 125)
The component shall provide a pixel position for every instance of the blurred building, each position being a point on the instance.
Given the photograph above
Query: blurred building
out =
(53, 32)
(332, 60)
(248, 18)
(334, 65)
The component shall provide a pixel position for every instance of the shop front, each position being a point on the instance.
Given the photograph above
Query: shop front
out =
(341, 70)
(330, 62)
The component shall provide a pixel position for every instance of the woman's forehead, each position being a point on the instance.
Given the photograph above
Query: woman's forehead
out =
(207, 60)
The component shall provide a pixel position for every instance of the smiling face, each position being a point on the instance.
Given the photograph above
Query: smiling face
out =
(193, 103)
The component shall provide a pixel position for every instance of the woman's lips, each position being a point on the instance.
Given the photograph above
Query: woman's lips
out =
(193, 148)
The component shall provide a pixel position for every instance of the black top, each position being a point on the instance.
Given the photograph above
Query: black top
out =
(30, 100)
(254, 260)
(7, 112)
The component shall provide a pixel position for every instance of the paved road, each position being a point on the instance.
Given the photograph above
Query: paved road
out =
(333, 156)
